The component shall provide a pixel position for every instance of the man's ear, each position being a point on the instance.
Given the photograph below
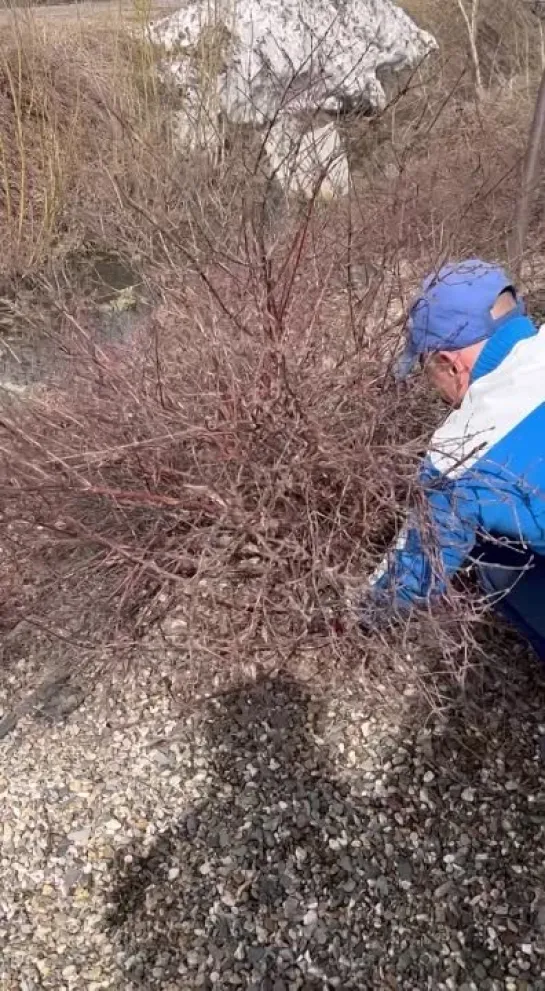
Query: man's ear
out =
(506, 301)
(449, 362)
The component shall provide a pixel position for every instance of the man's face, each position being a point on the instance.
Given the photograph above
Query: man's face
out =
(449, 374)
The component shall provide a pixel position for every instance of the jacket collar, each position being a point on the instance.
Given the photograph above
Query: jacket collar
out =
(511, 329)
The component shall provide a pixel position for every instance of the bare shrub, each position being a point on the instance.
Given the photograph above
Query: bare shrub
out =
(243, 428)
(243, 466)
(247, 459)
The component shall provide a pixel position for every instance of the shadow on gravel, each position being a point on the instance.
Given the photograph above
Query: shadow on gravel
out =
(426, 869)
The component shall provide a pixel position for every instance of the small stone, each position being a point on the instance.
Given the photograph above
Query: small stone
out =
(81, 894)
(161, 758)
(286, 956)
(113, 826)
(382, 885)
(310, 917)
(173, 873)
(468, 795)
(540, 913)
(404, 961)
(191, 826)
(80, 836)
(320, 935)
(70, 879)
(140, 825)
(291, 908)
(404, 870)
(133, 963)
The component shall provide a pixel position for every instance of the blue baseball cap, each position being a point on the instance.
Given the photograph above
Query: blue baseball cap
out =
(453, 310)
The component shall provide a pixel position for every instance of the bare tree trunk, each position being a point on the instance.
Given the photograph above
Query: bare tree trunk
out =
(541, 45)
(530, 179)
(470, 21)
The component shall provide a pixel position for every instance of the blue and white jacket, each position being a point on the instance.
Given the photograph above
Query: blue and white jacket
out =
(484, 474)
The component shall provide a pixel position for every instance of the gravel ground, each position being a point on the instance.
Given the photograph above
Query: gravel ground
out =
(271, 840)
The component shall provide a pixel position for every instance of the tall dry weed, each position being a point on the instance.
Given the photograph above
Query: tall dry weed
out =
(68, 103)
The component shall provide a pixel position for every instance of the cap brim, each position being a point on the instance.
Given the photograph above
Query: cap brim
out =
(404, 365)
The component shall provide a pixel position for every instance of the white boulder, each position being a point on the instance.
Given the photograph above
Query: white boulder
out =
(307, 161)
(271, 63)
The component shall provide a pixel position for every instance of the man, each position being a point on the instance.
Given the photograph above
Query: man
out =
(483, 479)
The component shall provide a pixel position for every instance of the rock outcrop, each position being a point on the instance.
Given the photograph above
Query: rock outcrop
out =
(289, 68)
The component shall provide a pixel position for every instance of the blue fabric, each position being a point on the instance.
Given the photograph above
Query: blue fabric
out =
(453, 310)
(482, 480)
(500, 345)
(514, 578)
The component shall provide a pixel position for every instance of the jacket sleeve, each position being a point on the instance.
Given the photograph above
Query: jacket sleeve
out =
(438, 537)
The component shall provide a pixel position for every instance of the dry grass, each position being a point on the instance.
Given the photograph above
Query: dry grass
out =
(449, 183)
(77, 109)
(247, 457)
(509, 42)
